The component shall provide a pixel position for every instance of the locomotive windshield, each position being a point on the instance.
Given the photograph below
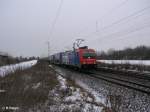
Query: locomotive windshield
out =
(89, 55)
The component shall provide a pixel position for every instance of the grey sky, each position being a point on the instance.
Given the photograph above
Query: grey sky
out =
(25, 25)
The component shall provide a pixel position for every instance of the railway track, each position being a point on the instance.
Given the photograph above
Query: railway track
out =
(134, 81)
(129, 73)
(112, 78)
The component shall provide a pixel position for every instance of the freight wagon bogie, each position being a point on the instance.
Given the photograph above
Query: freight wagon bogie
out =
(91, 66)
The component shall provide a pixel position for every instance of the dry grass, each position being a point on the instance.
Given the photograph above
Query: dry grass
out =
(26, 88)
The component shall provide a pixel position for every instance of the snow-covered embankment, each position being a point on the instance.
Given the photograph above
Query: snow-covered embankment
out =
(4, 70)
(69, 96)
(132, 62)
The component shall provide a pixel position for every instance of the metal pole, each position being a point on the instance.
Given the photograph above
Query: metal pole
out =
(48, 48)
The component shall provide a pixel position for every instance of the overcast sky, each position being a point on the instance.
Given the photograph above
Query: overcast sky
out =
(26, 25)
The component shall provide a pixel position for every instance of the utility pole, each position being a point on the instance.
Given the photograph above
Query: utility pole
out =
(74, 46)
(48, 48)
(96, 26)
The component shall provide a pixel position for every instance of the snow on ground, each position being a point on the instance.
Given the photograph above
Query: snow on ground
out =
(37, 85)
(4, 70)
(2, 91)
(62, 82)
(10, 108)
(76, 96)
(112, 97)
(97, 97)
(132, 62)
(71, 98)
(80, 97)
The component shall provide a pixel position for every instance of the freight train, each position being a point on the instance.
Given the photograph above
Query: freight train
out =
(83, 57)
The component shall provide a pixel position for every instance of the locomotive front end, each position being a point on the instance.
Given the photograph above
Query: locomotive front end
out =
(88, 58)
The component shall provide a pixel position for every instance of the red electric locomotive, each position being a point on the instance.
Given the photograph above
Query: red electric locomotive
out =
(78, 58)
(87, 57)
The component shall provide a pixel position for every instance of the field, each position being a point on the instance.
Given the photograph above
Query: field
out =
(43, 88)
(24, 89)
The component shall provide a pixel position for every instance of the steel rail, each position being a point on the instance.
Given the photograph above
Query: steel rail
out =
(125, 83)
(133, 74)
(125, 80)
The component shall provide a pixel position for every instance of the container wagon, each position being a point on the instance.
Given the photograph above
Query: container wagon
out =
(79, 58)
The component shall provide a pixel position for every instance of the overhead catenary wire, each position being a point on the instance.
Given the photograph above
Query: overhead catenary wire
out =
(121, 37)
(133, 31)
(125, 18)
(120, 20)
(54, 23)
(122, 34)
(110, 11)
(113, 9)
(56, 17)
(128, 31)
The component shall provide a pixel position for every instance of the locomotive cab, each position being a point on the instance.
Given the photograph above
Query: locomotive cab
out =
(87, 57)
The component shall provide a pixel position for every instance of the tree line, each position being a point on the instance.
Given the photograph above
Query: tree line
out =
(138, 53)
(13, 60)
